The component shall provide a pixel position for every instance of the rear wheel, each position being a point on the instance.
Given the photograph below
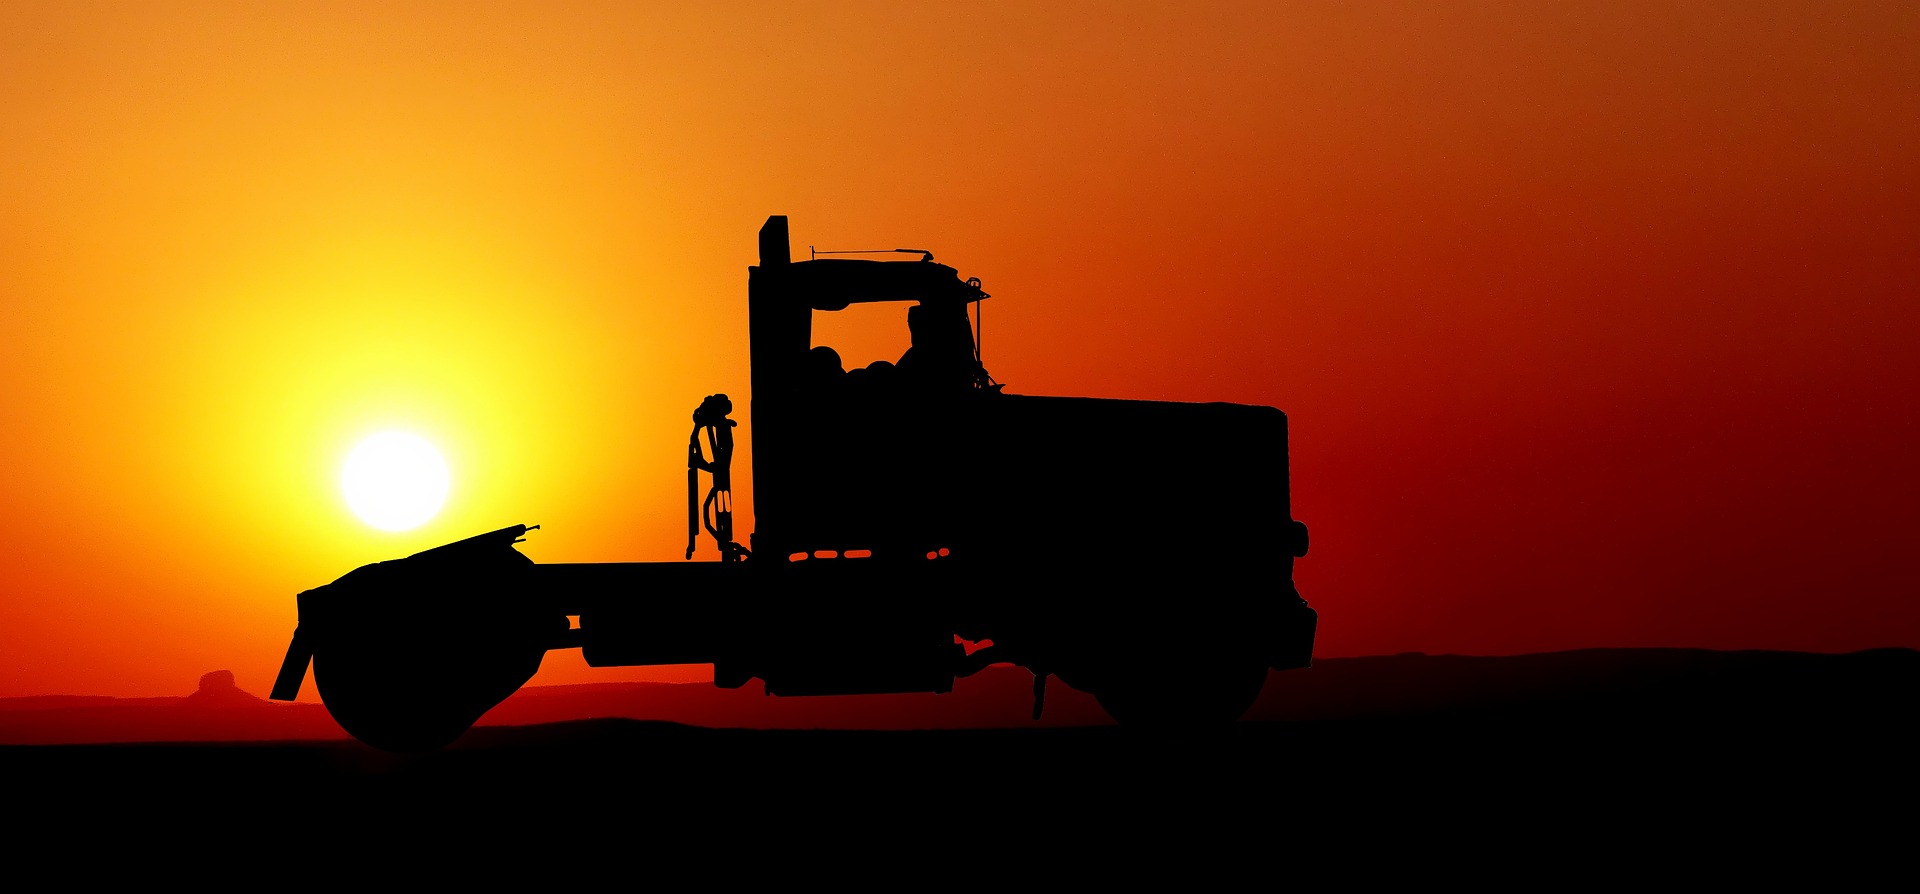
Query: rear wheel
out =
(408, 654)
(410, 697)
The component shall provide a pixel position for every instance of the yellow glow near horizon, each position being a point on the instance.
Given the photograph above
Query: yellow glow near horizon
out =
(395, 481)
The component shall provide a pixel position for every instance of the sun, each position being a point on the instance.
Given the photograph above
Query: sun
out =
(394, 481)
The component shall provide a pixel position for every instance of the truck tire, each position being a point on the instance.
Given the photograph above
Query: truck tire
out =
(1200, 694)
(406, 698)
(408, 654)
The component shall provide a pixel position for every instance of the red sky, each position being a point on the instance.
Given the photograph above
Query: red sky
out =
(1595, 322)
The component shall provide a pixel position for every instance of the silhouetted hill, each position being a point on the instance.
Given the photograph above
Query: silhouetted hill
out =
(1686, 682)
(217, 711)
(1672, 686)
(1542, 770)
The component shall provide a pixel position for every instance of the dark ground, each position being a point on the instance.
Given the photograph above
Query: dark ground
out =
(1763, 768)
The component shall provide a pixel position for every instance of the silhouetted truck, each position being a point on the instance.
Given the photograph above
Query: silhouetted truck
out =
(1140, 551)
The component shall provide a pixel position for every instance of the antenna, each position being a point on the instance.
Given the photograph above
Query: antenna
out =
(923, 253)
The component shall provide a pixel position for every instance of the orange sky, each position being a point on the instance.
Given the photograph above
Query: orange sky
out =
(1596, 321)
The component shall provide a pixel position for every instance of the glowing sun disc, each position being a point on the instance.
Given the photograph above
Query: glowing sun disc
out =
(394, 481)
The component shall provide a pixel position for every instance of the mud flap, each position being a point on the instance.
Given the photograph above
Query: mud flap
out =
(293, 669)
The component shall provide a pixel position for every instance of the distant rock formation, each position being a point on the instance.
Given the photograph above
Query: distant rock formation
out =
(218, 688)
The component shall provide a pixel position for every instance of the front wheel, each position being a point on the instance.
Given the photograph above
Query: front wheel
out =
(1195, 694)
